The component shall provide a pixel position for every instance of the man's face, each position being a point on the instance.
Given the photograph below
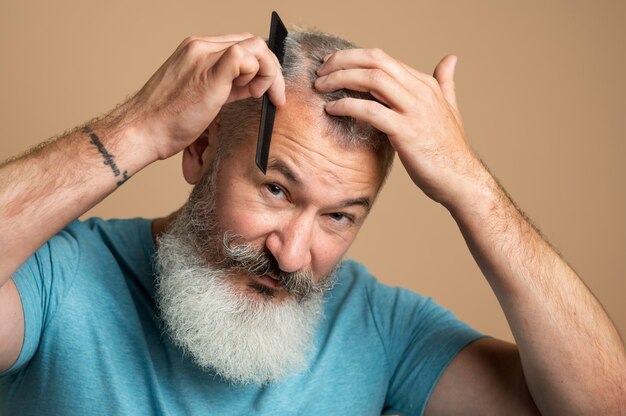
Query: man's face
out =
(306, 211)
(240, 229)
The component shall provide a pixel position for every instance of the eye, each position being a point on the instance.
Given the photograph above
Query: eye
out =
(337, 216)
(274, 189)
(341, 218)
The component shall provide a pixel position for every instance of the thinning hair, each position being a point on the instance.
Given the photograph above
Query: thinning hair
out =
(304, 53)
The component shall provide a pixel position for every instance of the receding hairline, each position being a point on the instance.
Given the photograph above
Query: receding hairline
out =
(304, 52)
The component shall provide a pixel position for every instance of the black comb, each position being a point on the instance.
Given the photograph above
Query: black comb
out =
(278, 33)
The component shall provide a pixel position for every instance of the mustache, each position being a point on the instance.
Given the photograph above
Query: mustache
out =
(240, 255)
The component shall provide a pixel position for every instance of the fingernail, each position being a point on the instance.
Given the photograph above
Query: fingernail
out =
(330, 104)
(326, 57)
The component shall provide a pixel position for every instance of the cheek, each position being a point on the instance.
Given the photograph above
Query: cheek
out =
(245, 217)
(237, 207)
(327, 252)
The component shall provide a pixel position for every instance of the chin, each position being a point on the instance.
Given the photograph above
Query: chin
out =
(242, 328)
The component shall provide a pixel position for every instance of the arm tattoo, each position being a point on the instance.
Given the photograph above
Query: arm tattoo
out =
(108, 157)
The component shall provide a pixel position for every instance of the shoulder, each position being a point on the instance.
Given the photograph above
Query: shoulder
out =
(401, 316)
(390, 308)
(418, 336)
(113, 230)
(353, 284)
(88, 243)
(86, 250)
(96, 237)
(354, 278)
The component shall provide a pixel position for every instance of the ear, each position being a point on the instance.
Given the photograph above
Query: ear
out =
(197, 157)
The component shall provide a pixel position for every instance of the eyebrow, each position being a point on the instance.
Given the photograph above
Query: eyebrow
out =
(364, 202)
(281, 167)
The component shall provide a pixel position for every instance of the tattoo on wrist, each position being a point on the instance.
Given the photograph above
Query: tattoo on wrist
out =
(108, 157)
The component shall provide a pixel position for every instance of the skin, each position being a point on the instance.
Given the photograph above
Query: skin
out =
(552, 314)
(554, 369)
(303, 224)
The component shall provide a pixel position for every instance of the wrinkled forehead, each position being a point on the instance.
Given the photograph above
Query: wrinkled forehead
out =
(304, 154)
(303, 137)
(303, 140)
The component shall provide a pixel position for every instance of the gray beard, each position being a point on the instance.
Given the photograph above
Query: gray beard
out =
(242, 337)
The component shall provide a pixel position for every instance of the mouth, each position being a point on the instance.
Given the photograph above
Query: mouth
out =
(269, 281)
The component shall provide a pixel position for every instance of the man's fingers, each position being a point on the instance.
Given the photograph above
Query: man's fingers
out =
(375, 81)
(268, 71)
(372, 112)
(369, 58)
(244, 79)
(444, 74)
(230, 37)
(230, 63)
(251, 66)
(411, 79)
(258, 47)
(236, 61)
(276, 91)
(210, 44)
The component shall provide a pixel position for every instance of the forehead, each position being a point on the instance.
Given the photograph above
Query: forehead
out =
(302, 142)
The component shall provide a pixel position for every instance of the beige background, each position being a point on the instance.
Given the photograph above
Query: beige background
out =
(541, 87)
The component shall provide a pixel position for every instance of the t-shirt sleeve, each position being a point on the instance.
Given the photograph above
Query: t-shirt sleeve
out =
(420, 338)
(42, 282)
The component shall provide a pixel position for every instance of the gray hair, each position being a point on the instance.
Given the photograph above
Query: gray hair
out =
(304, 53)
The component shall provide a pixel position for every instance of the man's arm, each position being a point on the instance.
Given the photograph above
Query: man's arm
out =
(44, 190)
(572, 355)
(572, 358)
(485, 378)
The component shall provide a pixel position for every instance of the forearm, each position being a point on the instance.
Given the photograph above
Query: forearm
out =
(42, 192)
(55, 183)
(572, 355)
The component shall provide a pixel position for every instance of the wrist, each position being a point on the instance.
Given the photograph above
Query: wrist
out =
(126, 138)
(476, 198)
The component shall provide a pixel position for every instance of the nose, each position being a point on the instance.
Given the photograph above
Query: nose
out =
(291, 244)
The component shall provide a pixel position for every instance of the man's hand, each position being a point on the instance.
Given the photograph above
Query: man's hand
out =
(418, 113)
(171, 111)
(204, 73)
(572, 357)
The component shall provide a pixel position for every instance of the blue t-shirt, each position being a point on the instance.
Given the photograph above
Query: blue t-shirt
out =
(94, 346)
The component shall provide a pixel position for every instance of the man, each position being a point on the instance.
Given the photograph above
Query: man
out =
(247, 307)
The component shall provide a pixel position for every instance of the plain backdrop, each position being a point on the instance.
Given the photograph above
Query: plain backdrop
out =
(540, 84)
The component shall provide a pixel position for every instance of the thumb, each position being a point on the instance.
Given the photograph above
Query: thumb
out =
(444, 74)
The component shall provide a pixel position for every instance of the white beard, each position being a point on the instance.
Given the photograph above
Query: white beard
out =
(239, 337)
